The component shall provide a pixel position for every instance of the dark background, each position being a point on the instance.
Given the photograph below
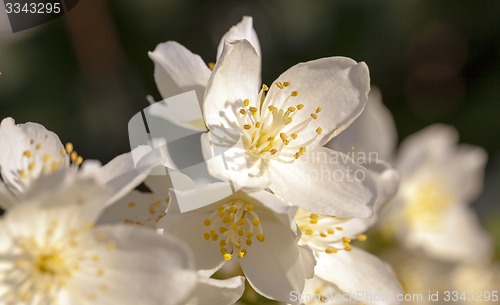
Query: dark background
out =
(86, 74)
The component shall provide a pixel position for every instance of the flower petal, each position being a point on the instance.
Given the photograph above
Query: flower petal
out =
(373, 133)
(189, 228)
(275, 268)
(242, 30)
(465, 171)
(177, 70)
(161, 264)
(325, 182)
(143, 209)
(434, 142)
(25, 144)
(221, 292)
(337, 85)
(360, 274)
(466, 242)
(120, 174)
(236, 77)
(77, 203)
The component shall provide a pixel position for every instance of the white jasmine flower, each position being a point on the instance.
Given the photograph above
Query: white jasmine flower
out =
(344, 273)
(52, 253)
(439, 179)
(253, 228)
(178, 70)
(342, 268)
(31, 152)
(280, 130)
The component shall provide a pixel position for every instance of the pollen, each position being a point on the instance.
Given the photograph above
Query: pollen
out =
(69, 147)
(238, 224)
(362, 237)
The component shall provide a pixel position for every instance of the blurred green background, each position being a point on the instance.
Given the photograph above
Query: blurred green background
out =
(86, 74)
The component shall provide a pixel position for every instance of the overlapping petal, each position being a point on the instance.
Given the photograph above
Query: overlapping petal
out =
(326, 182)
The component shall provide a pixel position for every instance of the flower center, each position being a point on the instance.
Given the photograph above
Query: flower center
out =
(325, 233)
(52, 264)
(269, 130)
(426, 204)
(44, 263)
(237, 223)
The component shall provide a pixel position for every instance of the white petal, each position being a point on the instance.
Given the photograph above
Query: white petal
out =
(143, 209)
(77, 204)
(234, 164)
(221, 292)
(189, 228)
(177, 70)
(360, 273)
(460, 237)
(144, 268)
(159, 185)
(434, 142)
(121, 175)
(325, 182)
(236, 77)
(242, 30)
(465, 171)
(387, 180)
(338, 85)
(276, 267)
(182, 110)
(16, 139)
(372, 135)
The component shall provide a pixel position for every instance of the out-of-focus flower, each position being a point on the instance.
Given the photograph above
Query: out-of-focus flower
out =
(439, 179)
(254, 228)
(273, 139)
(32, 153)
(52, 253)
(420, 275)
(178, 70)
(477, 283)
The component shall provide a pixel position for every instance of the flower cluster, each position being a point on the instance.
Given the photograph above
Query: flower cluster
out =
(261, 207)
